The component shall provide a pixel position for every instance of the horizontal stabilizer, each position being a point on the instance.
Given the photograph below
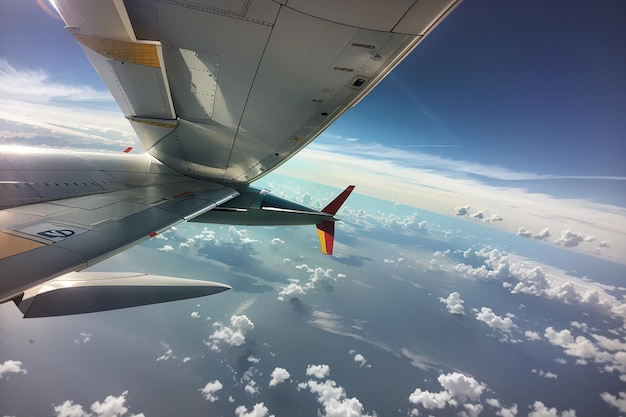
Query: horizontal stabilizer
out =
(326, 234)
(87, 292)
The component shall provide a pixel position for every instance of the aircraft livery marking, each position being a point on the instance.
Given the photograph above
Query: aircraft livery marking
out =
(57, 233)
(51, 231)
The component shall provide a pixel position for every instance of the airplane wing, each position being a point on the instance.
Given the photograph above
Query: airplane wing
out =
(220, 93)
(229, 90)
(131, 202)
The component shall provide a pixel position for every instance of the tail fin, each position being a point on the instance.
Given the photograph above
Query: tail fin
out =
(326, 229)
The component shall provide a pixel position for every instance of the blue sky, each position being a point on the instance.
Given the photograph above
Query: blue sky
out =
(513, 109)
(533, 86)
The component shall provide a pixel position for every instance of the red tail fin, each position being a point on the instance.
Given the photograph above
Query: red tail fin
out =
(326, 229)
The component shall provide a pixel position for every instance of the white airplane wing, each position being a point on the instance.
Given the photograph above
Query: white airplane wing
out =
(229, 90)
(220, 93)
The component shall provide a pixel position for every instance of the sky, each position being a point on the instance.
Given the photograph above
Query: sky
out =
(507, 118)
(511, 109)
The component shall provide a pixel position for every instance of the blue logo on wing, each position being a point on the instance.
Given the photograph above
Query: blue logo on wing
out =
(57, 233)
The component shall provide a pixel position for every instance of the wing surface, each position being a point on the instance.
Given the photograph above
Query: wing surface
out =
(39, 242)
(229, 90)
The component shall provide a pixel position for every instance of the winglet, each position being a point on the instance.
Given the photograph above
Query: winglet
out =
(326, 229)
(333, 206)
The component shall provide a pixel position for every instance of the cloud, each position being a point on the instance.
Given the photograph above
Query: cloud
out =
(253, 359)
(454, 303)
(112, 406)
(316, 277)
(318, 371)
(235, 335)
(530, 335)
(543, 234)
(240, 238)
(210, 389)
(169, 353)
(571, 239)
(360, 359)
(35, 86)
(11, 367)
(84, 338)
(544, 374)
(277, 243)
(251, 387)
(494, 321)
(457, 388)
(195, 315)
(334, 400)
(259, 410)
(5, 134)
(617, 402)
(279, 375)
(612, 359)
(166, 248)
(538, 409)
(461, 210)
(532, 278)
(502, 411)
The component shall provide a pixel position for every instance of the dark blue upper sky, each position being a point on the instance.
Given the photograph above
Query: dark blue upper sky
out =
(532, 86)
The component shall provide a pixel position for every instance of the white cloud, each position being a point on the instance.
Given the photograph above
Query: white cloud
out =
(334, 400)
(169, 353)
(69, 409)
(318, 371)
(210, 389)
(112, 406)
(5, 134)
(259, 410)
(454, 303)
(195, 315)
(315, 277)
(360, 359)
(538, 409)
(240, 238)
(544, 374)
(523, 232)
(35, 86)
(166, 248)
(442, 183)
(536, 279)
(251, 387)
(571, 239)
(235, 335)
(543, 234)
(494, 321)
(461, 210)
(457, 387)
(11, 367)
(279, 375)
(617, 402)
(530, 335)
(430, 400)
(461, 386)
(277, 243)
(253, 359)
